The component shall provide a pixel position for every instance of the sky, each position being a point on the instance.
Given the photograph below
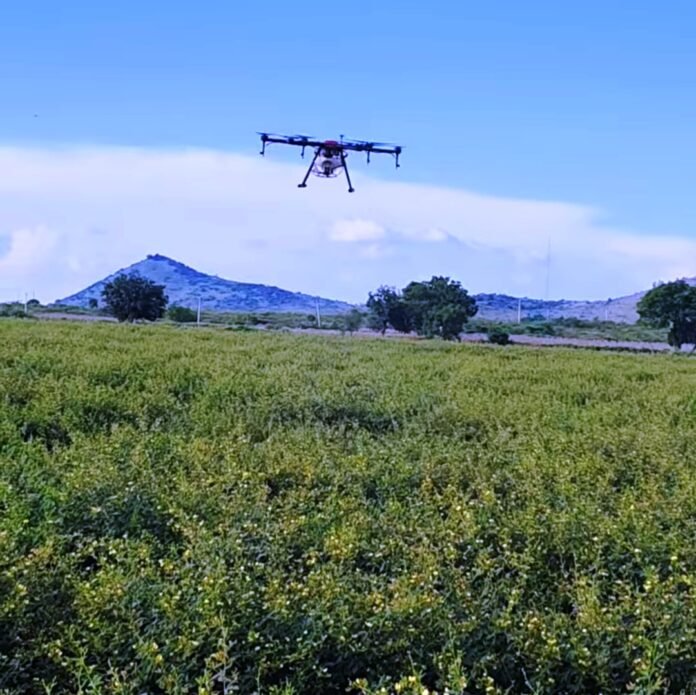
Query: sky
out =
(531, 131)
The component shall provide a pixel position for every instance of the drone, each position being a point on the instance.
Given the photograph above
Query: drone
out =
(330, 155)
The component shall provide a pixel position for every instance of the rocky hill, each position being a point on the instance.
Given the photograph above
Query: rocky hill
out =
(186, 286)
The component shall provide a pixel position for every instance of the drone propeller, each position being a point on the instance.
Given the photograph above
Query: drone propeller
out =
(297, 136)
(369, 143)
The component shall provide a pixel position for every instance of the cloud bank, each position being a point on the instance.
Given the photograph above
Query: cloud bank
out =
(69, 216)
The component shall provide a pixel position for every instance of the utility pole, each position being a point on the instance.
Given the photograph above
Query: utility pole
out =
(519, 310)
(318, 314)
(548, 278)
(198, 313)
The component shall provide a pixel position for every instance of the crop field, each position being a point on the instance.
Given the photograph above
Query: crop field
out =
(210, 511)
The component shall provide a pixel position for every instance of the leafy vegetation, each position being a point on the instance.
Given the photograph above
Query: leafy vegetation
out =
(13, 310)
(672, 305)
(274, 320)
(386, 310)
(438, 307)
(132, 297)
(208, 511)
(498, 336)
(353, 320)
(573, 328)
(181, 314)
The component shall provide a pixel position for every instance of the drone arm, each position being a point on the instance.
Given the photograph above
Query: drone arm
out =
(290, 140)
(394, 151)
(369, 148)
(385, 150)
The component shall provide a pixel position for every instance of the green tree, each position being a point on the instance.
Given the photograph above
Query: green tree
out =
(181, 314)
(438, 307)
(93, 303)
(672, 305)
(353, 320)
(385, 309)
(132, 297)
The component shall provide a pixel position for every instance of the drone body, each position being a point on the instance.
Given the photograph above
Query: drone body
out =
(330, 155)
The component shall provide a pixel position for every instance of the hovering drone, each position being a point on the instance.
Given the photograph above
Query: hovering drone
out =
(330, 155)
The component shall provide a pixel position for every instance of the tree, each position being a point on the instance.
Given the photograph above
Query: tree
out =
(384, 307)
(672, 305)
(131, 297)
(93, 303)
(438, 307)
(353, 320)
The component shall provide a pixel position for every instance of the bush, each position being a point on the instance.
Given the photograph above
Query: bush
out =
(543, 328)
(15, 311)
(181, 314)
(499, 337)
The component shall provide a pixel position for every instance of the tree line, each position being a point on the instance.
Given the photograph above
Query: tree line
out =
(435, 308)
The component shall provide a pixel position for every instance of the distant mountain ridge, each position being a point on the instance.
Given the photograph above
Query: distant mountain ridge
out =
(185, 286)
(503, 307)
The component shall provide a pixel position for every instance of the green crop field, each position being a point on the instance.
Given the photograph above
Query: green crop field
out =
(202, 511)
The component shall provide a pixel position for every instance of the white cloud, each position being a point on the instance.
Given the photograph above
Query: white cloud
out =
(375, 252)
(29, 256)
(356, 230)
(27, 250)
(71, 215)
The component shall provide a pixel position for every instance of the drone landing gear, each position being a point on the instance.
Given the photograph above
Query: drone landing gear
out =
(309, 171)
(311, 166)
(345, 168)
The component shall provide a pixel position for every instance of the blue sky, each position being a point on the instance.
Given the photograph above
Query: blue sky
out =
(587, 104)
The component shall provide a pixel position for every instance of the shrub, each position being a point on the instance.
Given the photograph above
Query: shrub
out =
(181, 314)
(499, 337)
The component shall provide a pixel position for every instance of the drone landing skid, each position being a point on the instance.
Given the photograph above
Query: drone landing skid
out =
(345, 168)
(311, 166)
(309, 171)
